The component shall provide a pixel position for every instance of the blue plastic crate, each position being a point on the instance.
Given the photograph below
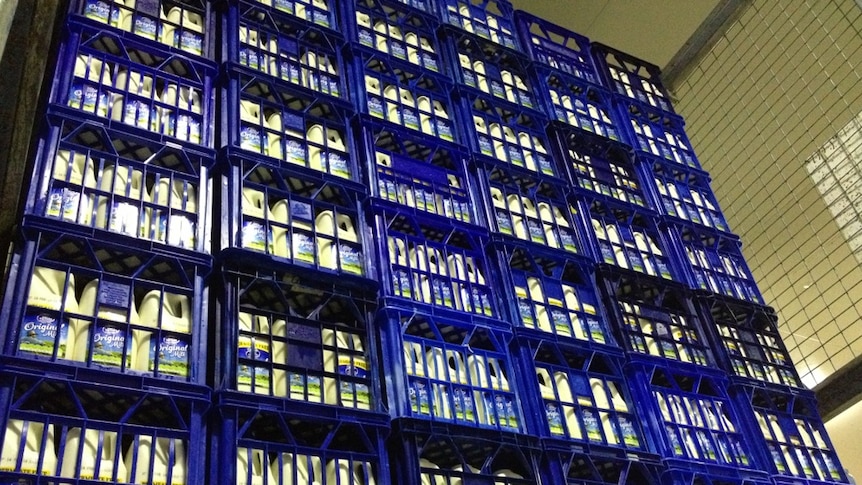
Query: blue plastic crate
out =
(532, 211)
(187, 26)
(507, 135)
(54, 430)
(417, 175)
(407, 96)
(94, 304)
(298, 344)
(424, 453)
(582, 468)
(691, 414)
(602, 168)
(655, 319)
(500, 74)
(299, 54)
(295, 219)
(788, 428)
(747, 342)
(730, 477)
(629, 76)
(489, 19)
(716, 264)
(259, 446)
(322, 13)
(290, 127)
(656, 133)
(133, 86)
(632, 240)
(579, 397)
(90, 179)
(424, 262)
(398, 29)
(572, 102)
(557, 47)
(683, 192)
(552, 297)
(445, 370)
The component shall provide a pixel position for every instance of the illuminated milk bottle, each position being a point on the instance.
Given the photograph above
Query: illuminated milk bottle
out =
(26, 440)
(332, 250)
(125, 216)
(272, 136)
(181, 125)
(600, 396)
(251, 137)
(168, 456)
(427, 262)
(254, 379)
(279, 356)
(535, 232)
(169, 312)
(297, 470)
(564, 391)
(570, 297)
(505, 473)
(516, 210)
(467, 470)
(401, 280)
(176, 229)
(98, 450)
(346, 471)
(438, 368)
(84, 96)
(549, 215)
(50, 289)
(252, 467)
(348, 359)
(110, 342)
(190, 38)
(255, 233)
(488, 374)
(526, 142)
(465, 17)
(420, 51)
(534, 285)
(69, 203)
(321, 151)
(313, 69)
(473, 298)
(619, 247)
(428, 478)
(134, 108)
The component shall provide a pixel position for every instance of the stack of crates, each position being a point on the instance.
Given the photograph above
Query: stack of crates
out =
(423, 242)
(105, 334)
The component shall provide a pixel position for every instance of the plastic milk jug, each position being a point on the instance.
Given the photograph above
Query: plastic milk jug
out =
(51, 290)
(83, 457)
(168, 457)
(27, 440)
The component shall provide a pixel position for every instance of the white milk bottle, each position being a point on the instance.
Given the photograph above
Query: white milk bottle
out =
(177, 229)
(50, 289)
(71, 204)
(110, 341)
(253, 379)
(125, 214)
(348, 359)
(27, 440)
(169, 312)
(252, 467)
(168, 456)
(297, 470)
(82, 458)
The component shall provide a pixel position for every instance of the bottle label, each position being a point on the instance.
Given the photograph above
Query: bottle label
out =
(444, 130)
(320, 18)
(591, 423)
(285, 5)
(536, 233)
(191, 42)
(354, 392)
(410, 119)
(545, 164)
(674, 440)
(555, 420)
(173, 355)
(338, 165)
(402, 284)
(375, 107)
(516, 156)
(305, 387)
(250, 139)
(485, 146)
(295, 152)
(254, 236)
(145, 27)
(525, 308)
(397, 50)
(429, 62)
(630, 436)
(561, 321)
(607, 253)
(63, 203)
(303, 248)
(351, 259)
(497, 89)
(39, 335)
(124, 219)
(110, 344)
(419, 398)
(365, 38)
(464, 406)
(97, 10)
(568, 241)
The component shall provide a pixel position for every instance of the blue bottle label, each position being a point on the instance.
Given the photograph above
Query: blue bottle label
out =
(250, 139)
(525, 309)
(303, 248)
(444, 130)
(485, 146)
(109, 344)
(537, 234)
(567, 240)
(555, 420)
(375, 107)
(591, 424)
(351, 259)
(97, 10)
(255, 236)
(560, 320)
(630, 436)
(172, 354)
(285, 5)
(350, 391)
(365, 38)
(429, 62)
(191, 42)
(410, 119)
(338, 165)
(39, 335)
(419, 398)
(397, 50)
(145, 27)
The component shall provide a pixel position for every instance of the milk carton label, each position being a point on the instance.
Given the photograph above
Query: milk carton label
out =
(295, 152)
(97, 10)
(321, 18)
(525, 99)
(485, 146)
(145, 27)
(109, 344)
(410, 119)
(288, 71)
(515, 155)
(567, 240)
(630, 436)
(545, 164)
(663, 269)
(536, 232)
(419, 398)
(525, 309)
(351, 259)
(464, 406)
(285, 5)
(87, 98)
(375, 107)
(191, 42)
(397, 50)
(39, 334)
(365, 38)
(596, 331)
(429, 62)
(254, 236)
(172, 354)
(349, 391)
(63, 203)
(338, 165)
(560, 320)
(591, 423)
(305, 387)
(444, 130)
(555, 421)
(303, 248)
(497, 89)
(607, 253)
(469, 78)
(250, 139)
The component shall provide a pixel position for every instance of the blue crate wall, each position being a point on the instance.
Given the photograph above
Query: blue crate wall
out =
(256, 446)
(578, 467)
(787, 427)
(552, 297)
(299, 54)
(90, 179)
(626, 237)
(423, 454)
(187, 27)
(580, 398)
(133, 86)
(404, 95)
(287, 216)
(631, 77)
(601, 168)
(574, 103)
(655, 133)
(688, 477)
(488, 19)
(507, 135)
(532, 211)
(499, 74)
(322, 13)
(439, 267)
(556, 47)
(58, 429)
(443, 370)
(716, 264)
(418, 176)
(263, 116)
(404, 30)
(747, 342)
(695, 421)
(655, 321)
(293, 342)
(104, 309)
(681, 192)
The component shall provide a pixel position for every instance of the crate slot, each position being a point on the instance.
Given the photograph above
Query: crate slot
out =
(124, 82)
(632, 77)
(318, 12)
(295, 53)
(488, 19)
(553, 295)
(183, 25)
(579, 104)
(658, 134)
(576, 468)
(286, 216)
(390, 28)
(685, 193)
(416, 174)
(557, 47)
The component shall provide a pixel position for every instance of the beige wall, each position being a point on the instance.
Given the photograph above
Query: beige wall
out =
(844, 430)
